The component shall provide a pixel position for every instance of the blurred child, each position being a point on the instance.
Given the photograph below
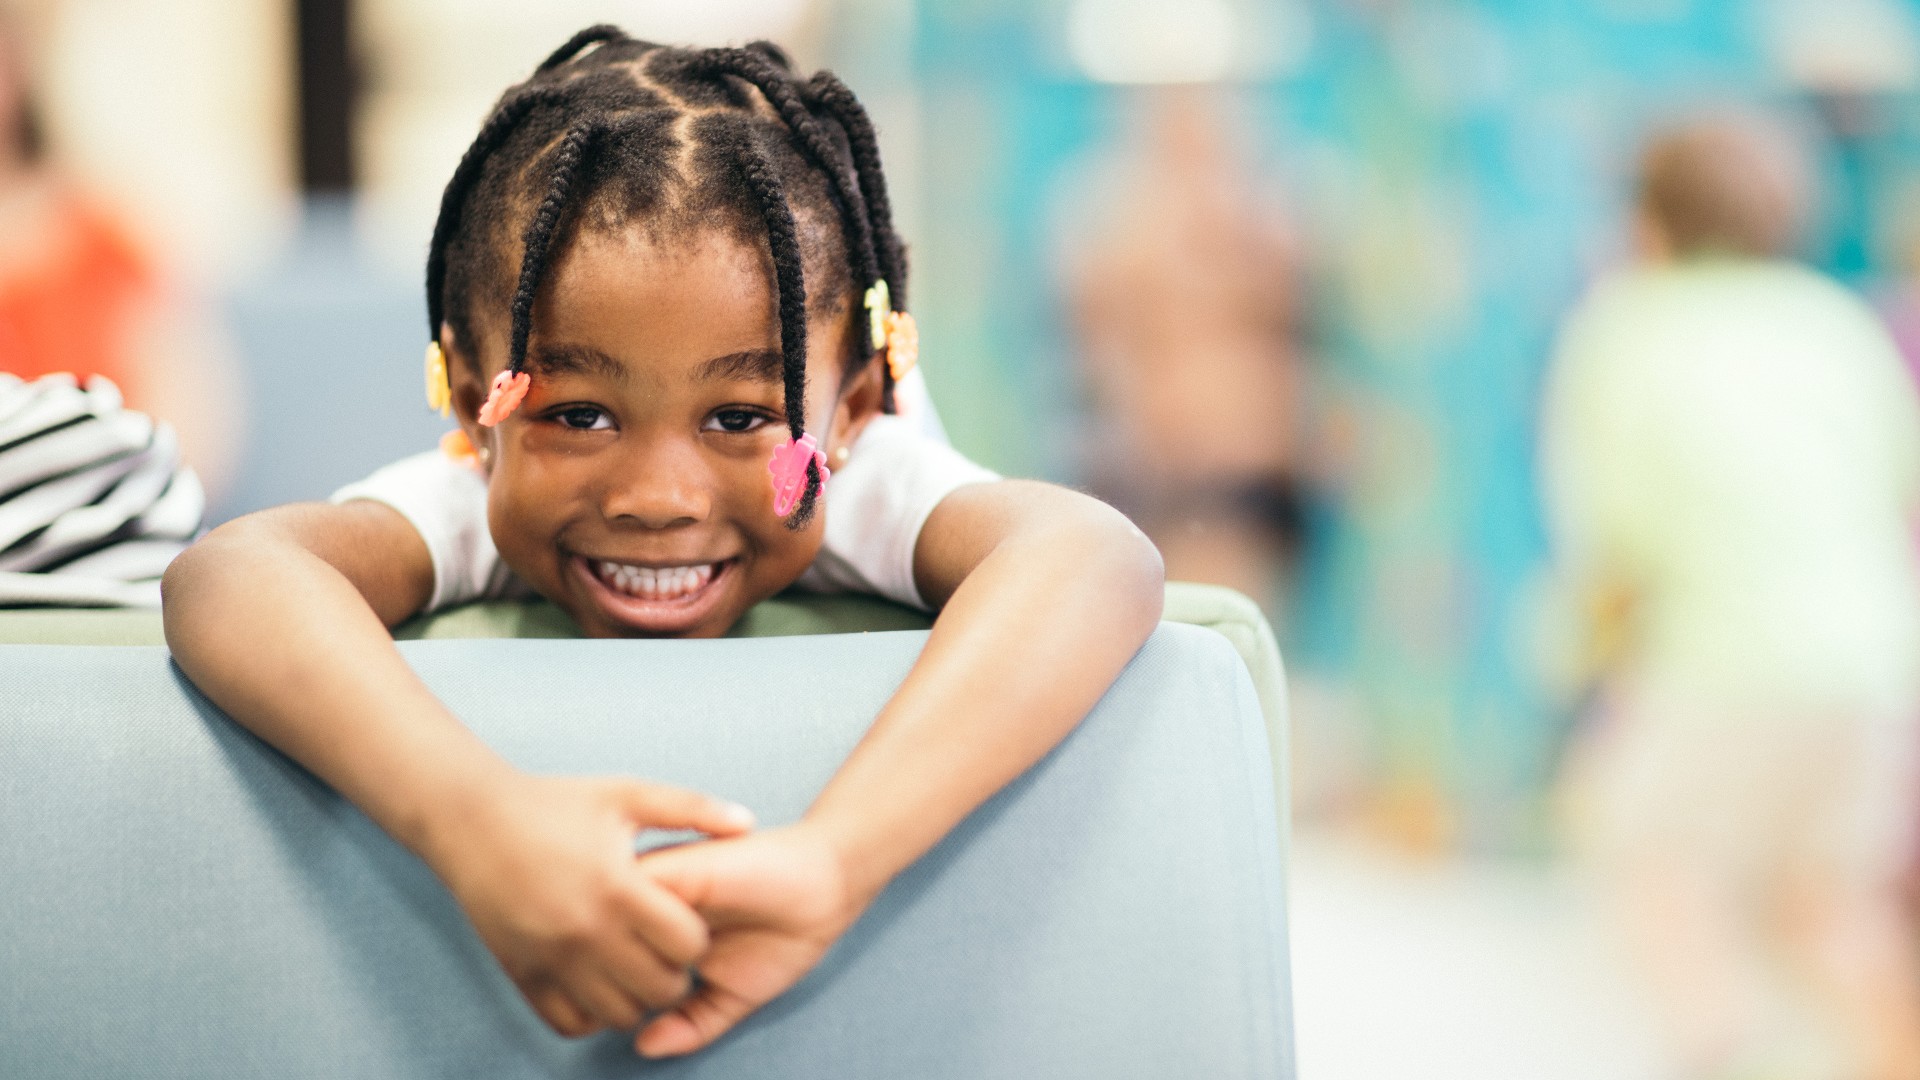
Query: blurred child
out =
(1731, 455)
(79, 294)
(667, 308)
(93, 500)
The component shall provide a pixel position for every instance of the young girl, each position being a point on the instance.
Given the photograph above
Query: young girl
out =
(667, 302)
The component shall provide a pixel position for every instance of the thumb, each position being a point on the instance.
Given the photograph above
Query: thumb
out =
(658, 806)
(710, 1013)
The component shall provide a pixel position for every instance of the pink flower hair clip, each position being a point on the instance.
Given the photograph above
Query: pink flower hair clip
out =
(508, 390)
(789, 469)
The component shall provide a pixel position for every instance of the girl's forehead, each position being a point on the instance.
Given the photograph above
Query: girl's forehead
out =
(633, 250)
(623, 304)
(705, 295)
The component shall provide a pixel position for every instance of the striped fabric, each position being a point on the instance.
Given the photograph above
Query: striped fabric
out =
(93, 499)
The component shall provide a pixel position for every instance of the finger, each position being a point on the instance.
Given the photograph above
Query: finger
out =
(665, 922)
(642, 975)
(663, 807)
(696, 1023)
(560, 1013)
(607, 1002)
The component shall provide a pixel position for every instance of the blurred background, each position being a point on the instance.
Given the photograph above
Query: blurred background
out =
(1283, 279)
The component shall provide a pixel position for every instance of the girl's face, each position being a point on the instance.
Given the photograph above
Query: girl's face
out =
(631, 486)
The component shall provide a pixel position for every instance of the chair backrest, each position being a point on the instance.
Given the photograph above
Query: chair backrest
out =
(178, 900)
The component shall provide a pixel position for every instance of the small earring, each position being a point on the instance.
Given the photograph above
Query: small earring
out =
(840, 457)
(486, 454)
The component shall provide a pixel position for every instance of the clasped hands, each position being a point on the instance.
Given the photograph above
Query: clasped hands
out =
(597, 938)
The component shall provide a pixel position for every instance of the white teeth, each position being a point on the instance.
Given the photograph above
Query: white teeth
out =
(665, 583)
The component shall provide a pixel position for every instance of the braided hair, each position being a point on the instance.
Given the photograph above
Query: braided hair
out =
(614, 132)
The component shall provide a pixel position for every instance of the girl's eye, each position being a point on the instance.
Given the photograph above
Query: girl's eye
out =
(735, 421)
(584, 418)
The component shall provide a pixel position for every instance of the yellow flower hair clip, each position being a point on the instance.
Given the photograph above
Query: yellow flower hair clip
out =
(879, 303)
(439, 390)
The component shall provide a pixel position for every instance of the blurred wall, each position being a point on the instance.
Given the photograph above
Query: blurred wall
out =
(181, 110)
(1455, 166)
(1458, 169)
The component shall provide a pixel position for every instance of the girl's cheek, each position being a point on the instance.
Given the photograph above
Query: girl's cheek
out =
(544, 460)
(531, 493)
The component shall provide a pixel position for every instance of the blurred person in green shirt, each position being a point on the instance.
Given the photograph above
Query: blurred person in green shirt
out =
(1731, 461)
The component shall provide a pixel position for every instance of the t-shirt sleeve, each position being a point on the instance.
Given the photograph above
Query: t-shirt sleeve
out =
(877, 504)
(446, 502)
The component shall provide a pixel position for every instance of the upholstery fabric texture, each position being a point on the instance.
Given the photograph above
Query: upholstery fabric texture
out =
(183, 901)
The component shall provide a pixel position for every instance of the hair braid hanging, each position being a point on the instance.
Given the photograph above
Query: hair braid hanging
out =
(492, 134)
(568, 159)
(790, 285)
(832, 94)
(782, 92)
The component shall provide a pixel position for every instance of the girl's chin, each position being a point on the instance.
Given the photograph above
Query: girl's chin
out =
(628, 613)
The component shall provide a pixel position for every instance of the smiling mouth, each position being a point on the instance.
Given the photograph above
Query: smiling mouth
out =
(654, 599)
(662, 583)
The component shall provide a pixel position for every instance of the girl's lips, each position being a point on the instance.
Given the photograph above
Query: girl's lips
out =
(652, 602)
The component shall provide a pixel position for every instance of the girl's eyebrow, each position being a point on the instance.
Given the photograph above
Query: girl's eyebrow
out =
(576, 360)
(754, 365)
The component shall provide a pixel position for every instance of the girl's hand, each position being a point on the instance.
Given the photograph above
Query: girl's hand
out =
(545, 869)
(774, 903)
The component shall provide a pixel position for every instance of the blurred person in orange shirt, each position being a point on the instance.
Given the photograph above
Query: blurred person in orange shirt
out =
(1184, 301)
(80, 294)
(1731, 459)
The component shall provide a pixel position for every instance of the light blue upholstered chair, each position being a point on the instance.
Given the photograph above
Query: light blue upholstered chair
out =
(177, 900)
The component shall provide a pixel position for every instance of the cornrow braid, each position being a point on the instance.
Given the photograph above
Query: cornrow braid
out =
(773, 53)
(492, 134)
(829, 92)
(592, 35)
(790, 285)
(782, 92)
(826, 90)
(568, 160)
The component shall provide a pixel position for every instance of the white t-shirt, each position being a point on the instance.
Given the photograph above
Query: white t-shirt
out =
(899, 470)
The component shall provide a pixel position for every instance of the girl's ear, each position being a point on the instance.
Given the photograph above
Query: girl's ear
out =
(859, 403)
(469, 388)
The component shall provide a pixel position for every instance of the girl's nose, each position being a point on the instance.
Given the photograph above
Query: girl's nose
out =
(658, 486)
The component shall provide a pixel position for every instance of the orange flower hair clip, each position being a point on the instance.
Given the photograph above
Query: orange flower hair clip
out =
(894, 331)
(903, 344)
(455, 445)
(508, 390)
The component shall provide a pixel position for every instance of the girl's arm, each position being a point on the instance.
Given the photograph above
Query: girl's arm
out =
(282, 617)
(1044, 595)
